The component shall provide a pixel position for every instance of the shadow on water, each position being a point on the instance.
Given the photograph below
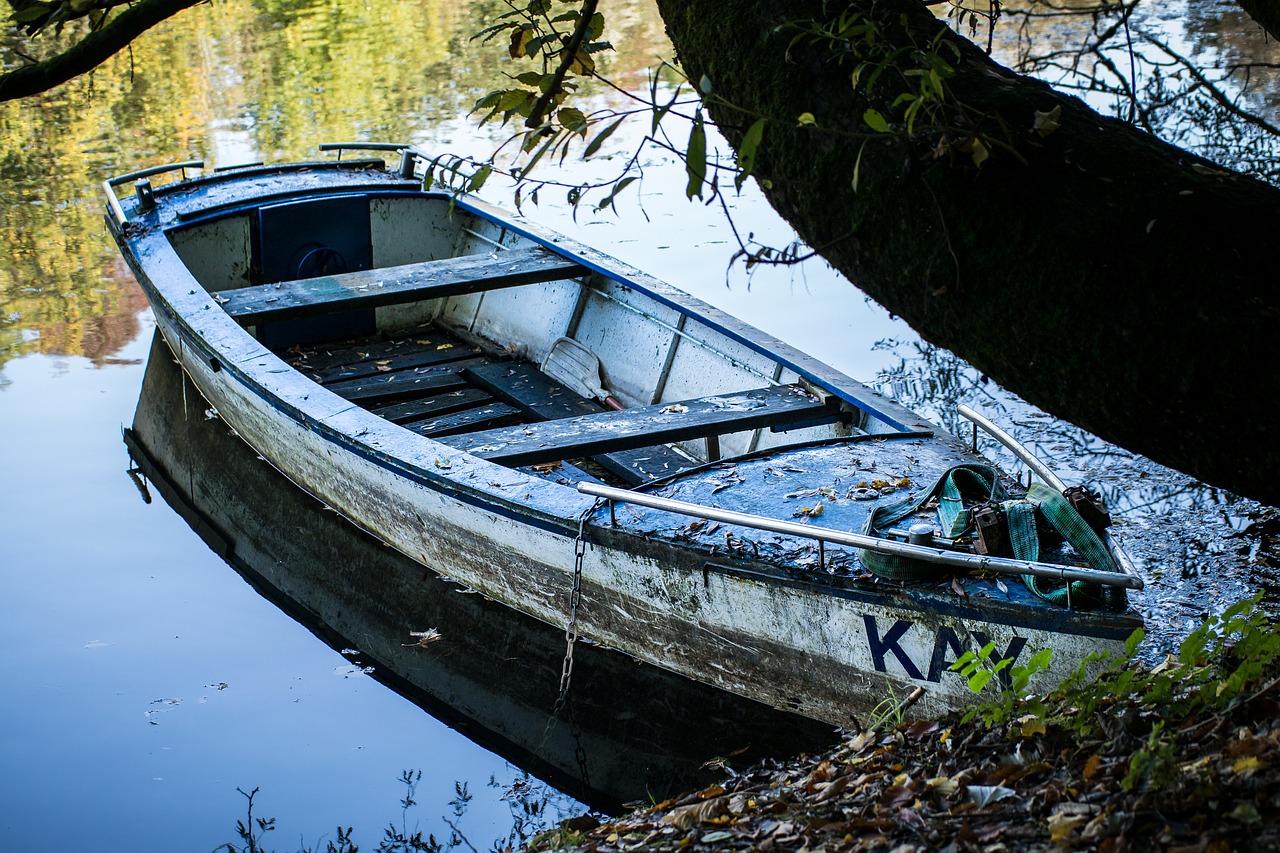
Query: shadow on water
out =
(628, 732)
(1199, 548)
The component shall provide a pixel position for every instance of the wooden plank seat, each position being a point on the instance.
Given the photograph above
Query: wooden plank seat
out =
(542, 398)
(395, 285)
(644, 426)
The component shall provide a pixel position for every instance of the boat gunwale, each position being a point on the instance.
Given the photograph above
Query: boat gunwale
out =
(260, 370)
(852, 391)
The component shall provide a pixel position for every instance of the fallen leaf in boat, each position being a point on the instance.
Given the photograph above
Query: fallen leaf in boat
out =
(545, 467)
(424, 638)
(673, 409)
(809, 511)
(803, 493)
(443, 463)
(444, 346)
(957, 588)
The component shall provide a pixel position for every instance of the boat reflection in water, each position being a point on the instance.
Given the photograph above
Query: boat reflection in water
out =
(629, 731)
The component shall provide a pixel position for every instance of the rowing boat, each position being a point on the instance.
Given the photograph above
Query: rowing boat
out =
(599, 450)
(626, 733)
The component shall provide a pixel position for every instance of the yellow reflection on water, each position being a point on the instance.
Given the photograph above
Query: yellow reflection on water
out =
(229, 82)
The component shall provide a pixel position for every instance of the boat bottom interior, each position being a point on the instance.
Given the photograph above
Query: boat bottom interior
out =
(435, 383)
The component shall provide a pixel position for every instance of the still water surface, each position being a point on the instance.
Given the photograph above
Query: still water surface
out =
(144, 680)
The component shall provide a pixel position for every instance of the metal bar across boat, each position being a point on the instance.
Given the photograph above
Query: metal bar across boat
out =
(972, 562)
(1045, 473)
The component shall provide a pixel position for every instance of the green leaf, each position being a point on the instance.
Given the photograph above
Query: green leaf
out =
(596, 28)
(979, 680)
(660, 112)
(875, 121)
(595, 144)
(617, 188)
(478, 179)
(747, 151)
(805, 119)
(695, 158)
(531, 78)
(857, 169)
(572, 119)
(30, 13)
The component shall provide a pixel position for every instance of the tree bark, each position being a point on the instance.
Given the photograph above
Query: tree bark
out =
(1109, 278)
(1266, 13)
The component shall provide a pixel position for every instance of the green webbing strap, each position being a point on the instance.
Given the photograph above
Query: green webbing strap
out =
(979, 482)
(952, 515)
(1023, 536)
(1064, 519)
(975, 484)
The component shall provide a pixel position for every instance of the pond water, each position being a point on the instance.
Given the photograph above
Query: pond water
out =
(147, 682)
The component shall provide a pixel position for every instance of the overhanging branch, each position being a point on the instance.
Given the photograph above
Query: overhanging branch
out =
(91, 51)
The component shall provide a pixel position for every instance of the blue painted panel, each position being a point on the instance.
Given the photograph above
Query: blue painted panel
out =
(305, 239)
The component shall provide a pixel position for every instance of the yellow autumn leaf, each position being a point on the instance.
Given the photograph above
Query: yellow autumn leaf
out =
(805, 119)
(1061, 826)
(978, 151)
(944, 785)
(1247, 765)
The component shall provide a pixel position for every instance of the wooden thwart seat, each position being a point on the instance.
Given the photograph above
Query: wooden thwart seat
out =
(644, 426)
(542, 398)
(395, 285)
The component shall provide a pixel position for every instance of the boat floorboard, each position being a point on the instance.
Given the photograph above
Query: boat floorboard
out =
(435, 384)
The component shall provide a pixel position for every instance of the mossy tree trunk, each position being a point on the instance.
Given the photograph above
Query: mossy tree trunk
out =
(1113, 280)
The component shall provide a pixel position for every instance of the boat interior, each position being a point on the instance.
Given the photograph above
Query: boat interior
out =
(468, 331)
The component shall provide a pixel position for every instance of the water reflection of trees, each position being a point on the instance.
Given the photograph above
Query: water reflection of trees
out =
(1204, 80)
(936, 382)
(228, 82)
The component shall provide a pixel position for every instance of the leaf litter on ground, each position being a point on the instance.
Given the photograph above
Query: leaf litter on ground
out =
(1183, 756)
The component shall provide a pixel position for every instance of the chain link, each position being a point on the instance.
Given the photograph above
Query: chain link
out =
(575, 599)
